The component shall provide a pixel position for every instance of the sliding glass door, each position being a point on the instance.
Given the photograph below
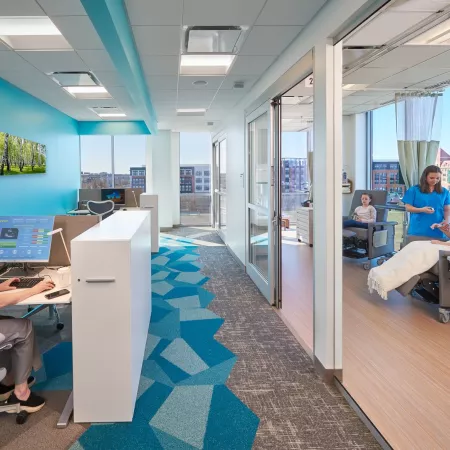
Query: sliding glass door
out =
(262, 220)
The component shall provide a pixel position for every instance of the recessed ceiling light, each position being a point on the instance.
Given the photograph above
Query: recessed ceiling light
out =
(31, 33)
(354, 87)
(200, 83)
(87, 92)
(112, 115)
(205, 64)
(191, 112)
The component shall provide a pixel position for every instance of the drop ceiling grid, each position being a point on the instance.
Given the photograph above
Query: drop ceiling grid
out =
(158, 34)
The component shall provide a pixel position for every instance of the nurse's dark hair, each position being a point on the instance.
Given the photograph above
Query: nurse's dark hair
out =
(423, 180)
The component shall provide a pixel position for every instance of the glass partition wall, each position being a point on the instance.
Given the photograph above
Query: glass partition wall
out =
(220, 186)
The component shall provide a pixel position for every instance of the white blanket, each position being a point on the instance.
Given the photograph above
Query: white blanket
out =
(414, 259)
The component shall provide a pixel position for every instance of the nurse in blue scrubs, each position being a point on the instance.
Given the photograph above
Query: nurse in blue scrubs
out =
(428, 203)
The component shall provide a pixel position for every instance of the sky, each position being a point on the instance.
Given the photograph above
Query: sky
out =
(129, 151)
(385, 133)
(195, 148)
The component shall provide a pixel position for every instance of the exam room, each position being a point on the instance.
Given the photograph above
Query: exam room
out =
(395, 339)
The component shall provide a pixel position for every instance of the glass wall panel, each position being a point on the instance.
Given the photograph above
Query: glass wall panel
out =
(96, 162)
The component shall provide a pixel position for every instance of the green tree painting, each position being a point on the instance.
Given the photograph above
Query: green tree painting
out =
(18, 156)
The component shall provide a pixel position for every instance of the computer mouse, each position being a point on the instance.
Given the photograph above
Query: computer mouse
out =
(124, 209)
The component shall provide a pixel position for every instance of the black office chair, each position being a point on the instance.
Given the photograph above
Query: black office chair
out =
(103, 209)
(22, 416)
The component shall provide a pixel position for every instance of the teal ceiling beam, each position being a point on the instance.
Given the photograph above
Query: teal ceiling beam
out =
(110, 19)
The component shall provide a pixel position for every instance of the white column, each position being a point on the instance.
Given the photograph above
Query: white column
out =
(175, 162)
(354, 154)
(160, 149)
(328, 205)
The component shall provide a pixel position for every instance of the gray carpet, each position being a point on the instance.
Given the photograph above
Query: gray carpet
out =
(274, 376)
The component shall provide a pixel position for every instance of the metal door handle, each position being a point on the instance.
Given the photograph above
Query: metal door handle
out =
(100, 280)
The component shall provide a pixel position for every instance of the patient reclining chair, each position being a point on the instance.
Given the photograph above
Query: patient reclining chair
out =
(432, 286)
(378, 240)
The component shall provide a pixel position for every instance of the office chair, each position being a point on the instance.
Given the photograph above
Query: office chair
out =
(22, 416)
(376, 242)
(103, 209)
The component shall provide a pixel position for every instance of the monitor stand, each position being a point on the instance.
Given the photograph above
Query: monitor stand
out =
(18, 270)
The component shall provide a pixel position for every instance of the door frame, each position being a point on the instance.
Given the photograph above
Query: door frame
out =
(216, 185)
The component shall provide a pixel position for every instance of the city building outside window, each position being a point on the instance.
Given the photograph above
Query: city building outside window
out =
(117, 161)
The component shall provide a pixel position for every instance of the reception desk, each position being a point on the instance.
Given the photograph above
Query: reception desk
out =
(111, 309)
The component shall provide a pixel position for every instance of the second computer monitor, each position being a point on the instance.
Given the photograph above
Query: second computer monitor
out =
(25, 239)
(115, 195)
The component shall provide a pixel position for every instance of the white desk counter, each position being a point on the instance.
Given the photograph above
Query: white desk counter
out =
(111, 308)
(40, 299)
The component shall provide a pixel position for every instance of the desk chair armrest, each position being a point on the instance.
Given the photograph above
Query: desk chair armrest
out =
(382, 224)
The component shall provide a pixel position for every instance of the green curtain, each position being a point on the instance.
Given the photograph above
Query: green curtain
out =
(414, 157)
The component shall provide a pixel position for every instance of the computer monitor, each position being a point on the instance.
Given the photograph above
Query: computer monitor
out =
(24, 239)
(116, 195)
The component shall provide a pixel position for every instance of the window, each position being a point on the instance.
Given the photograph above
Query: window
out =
(206, 180)
(96, 162)
(206, 173)
(195, 157)
(113, 161)
(385, 165)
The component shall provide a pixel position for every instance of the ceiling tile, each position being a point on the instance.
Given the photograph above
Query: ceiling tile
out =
(248, 81)
(79, 31)
(160, 65)
(196, 95)
(224, 104)
(410, 55)
(229, 95)
(162, 82)
(20, 8)
(97, 59)
(155, 40)
(12, 61)
(269, 40)
(370, 75)
(420, 5)
(109, 78)
(154, 12)
(289, 12)
(219, 12)
(432, 81)
(186, 82)
(438, 62)
(62, 7)
(251, 65)
(164, 96)
(410, 77)
(357, 100)
(385, 27)
(31, 80)
(47, 62)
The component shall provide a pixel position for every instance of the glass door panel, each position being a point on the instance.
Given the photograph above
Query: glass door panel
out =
(260, 202)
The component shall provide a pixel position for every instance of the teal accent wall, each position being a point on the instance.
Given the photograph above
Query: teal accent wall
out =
(113, 128)
(56, 191)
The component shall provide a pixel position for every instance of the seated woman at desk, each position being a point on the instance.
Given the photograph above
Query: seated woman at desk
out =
(22, 354)
(428, 203)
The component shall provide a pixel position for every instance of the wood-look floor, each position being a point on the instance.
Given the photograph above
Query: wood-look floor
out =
(297, 289)
(396, 355)
(396, 364)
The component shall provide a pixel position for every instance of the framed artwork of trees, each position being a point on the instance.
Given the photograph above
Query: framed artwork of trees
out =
(19, 156)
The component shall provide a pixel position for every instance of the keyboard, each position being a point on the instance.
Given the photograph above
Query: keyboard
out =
(24, 283)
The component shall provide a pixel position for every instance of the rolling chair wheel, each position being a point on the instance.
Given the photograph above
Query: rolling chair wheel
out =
(444, 317)
(21, 418)
(59, 326)
(380, 261)
(366, 266)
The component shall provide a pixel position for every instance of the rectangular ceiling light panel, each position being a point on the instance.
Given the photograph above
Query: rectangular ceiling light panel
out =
(32, 33)
(87, 92)
(203, 65)
(191, 112)
(213, 39)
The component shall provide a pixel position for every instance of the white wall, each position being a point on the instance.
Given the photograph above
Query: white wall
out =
(354, 154)
(235, 135)
(163, 179)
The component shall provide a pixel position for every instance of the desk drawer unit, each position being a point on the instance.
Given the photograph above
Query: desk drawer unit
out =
(305, 225)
